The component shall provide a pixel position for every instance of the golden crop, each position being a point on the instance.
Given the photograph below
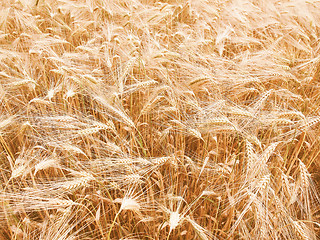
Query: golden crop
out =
(172, 119)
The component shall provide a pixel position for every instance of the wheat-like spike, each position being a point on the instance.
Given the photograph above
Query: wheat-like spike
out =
(268, 152)
(194, 132)
(112, 147)
(90, 78)
(215, 121)
(223, 169)
(6, 122)
(22, 82)
(88, 131)
(279, 121)
(199, 81)
(262, 184)
(149, 105)
(178, 123)
(71, 148)
(209, 193)
(184, 127)
(4, 74)
(167, 110)
(83, 174)
(19, 170)
(105, 126)
(291, 114)
(76, 183)
(202, 232)
(285, 93)
(133, 178)
(258, 105)
(244, 211)
(203, 165)
(286, 184)
(226, 129)
(239, 112)
(61, 202)
(305, 175)
(300, 230)
(135, 87)
(251, 156)
(125, 161)
(253, 139)
(47, 163)
(261, 219)
(119, 114)
(40, 101)
(309, 123)
(160, 160)
(125, 72)
(64, 118)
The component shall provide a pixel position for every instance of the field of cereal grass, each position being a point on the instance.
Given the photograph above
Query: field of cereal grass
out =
(144, 119)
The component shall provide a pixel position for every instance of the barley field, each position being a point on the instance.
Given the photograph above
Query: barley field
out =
(172, 119)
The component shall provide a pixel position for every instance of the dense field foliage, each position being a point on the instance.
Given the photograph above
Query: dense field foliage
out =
(144, 119)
